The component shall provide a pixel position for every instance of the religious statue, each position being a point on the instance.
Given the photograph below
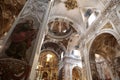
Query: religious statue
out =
(21, 39)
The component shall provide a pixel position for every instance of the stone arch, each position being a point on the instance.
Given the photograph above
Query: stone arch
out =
(106, 43)
(75, 25)
(107, 30)
(59, 46)
(111, 32)
(56, 42)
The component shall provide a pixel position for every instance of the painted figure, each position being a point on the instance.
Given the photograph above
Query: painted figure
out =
(21, 39)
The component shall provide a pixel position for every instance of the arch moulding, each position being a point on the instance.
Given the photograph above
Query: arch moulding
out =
(111, 32)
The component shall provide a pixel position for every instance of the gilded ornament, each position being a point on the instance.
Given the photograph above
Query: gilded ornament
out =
(71, 4)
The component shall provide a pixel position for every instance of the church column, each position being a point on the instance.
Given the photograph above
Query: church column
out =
(87, 64)
(93, 65)
(68, 71)
(40, 38)
(67, 67)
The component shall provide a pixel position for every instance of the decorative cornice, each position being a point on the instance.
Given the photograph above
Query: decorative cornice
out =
(71, 60)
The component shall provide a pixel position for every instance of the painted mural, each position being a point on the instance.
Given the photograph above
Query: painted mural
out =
(22, 39)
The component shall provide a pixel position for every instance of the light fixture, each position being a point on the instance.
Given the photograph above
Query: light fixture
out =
(49, 56)
(0, 46)
(97, 55)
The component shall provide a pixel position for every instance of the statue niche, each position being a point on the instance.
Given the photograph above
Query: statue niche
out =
(21, 39)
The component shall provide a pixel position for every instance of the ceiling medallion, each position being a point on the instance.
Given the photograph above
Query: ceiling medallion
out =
(71, 4)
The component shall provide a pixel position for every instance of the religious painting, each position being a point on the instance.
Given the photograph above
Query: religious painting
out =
(22, 39)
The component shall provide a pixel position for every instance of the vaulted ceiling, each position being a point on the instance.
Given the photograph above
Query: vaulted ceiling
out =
(76, 11)
(72, 9)
(105, 45)
(67, 16)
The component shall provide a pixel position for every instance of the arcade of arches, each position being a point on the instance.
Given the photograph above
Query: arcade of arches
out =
(60, 40)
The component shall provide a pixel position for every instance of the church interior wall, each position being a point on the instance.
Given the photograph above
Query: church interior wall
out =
(69, 33)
